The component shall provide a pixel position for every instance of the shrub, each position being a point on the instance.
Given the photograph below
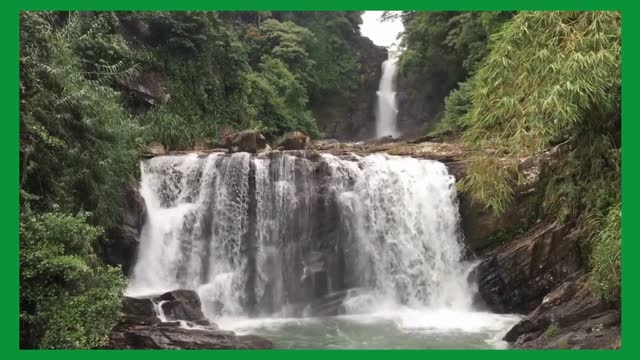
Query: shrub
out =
(605, 255)
(68, 299)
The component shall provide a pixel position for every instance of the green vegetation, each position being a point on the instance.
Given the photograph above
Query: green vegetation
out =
(552, 330)
(605, 256)
(445, 48)
(525, 84)
(552, 81)
(96, 87)
(68, 300)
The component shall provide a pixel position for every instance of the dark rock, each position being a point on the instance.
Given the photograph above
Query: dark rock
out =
(579, 320)
(516, 276)
(140, 328)
(418, 101)
(139, 308)
(165, 336)
(122, 247)
(247, 141)
(482, 226)
(188, 296)
(203, 322)
(143, 91)
(353, 117)
(294, 140)
(177, 310)
(181, 305)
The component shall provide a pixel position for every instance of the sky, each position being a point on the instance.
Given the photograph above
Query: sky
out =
(383, 34)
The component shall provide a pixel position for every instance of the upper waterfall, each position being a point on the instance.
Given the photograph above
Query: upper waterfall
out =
(282, 234)
(387, 110)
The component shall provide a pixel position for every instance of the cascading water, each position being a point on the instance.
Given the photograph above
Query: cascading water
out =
(278, 235)
(387, 110)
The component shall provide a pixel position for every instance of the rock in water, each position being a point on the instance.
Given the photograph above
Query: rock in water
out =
(181, 305)
(139, 310)
(294, 140)
(165, 336)
(140, 327)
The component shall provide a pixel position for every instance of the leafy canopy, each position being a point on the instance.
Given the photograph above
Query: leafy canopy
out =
(546, 73)
(67, 298)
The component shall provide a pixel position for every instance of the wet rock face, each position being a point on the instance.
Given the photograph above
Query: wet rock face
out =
(418, 103)
(122, 248)
(569, 317)
(140, 309)
(181, 305)
(167, 336)
(353, 117)
(140, 327)
(517, 275)
(481, 225)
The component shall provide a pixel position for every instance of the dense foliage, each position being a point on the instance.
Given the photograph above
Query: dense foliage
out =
(78, 146)
(444, 48)
(68, 300)
(552, 81)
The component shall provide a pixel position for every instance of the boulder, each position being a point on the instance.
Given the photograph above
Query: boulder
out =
(294, 140)
(516, 276)
(250, 141)
(154, 149)
(143, 91)
(140, 328)
(181, 305)
(140, 307)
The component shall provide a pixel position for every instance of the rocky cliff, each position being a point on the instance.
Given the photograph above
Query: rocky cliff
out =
(542, 274)
(353, 118)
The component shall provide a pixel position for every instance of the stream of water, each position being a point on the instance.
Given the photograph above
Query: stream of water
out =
(316, 252)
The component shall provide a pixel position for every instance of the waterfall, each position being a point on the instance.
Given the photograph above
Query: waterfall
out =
(387, 110)
(293, 234)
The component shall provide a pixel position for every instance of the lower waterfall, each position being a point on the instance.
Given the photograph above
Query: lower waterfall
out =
(281, 235)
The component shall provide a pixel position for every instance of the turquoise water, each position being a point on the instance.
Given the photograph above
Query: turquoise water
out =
(406, 329)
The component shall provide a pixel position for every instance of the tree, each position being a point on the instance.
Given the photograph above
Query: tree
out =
(78, 146)
(280, 100)
(445, 48)
(552, 79)
(68, 299)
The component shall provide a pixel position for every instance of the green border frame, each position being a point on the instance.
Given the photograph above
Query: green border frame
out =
(9, 130)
